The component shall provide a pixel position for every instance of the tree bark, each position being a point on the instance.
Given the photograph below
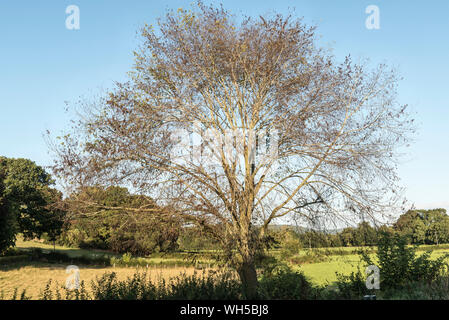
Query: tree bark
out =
(248, 276)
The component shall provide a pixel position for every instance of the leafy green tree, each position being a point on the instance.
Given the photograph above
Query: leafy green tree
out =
(335, 240)
(424, 226)
(437, 223)
(112, 218)
(54, 217)
(347, 236)
(314, 239)
(384, 229)
(194, 238)
(410, 226)
(364, 235)
(28, 194)
(7, 221)
(418, 232)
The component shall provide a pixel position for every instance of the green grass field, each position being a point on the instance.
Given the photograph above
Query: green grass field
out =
(34, 276)
(324, 273)
(162, 259)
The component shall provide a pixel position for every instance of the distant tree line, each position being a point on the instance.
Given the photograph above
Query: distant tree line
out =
(417, 226)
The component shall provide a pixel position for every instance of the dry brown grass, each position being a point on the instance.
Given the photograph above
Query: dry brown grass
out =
(34, 278)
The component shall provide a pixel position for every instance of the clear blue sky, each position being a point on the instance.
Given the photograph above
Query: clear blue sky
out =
(43, 64)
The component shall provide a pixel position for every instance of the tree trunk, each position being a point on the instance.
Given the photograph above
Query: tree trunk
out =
(248, 276)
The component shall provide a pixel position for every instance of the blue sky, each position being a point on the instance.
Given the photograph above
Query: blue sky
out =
(43, 64)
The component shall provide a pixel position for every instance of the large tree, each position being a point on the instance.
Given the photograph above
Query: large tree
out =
(424, 226)
(29, 197)
(286, 130)
(7, 219)
(95, 219)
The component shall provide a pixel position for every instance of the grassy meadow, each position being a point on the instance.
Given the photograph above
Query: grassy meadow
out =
(33, 276)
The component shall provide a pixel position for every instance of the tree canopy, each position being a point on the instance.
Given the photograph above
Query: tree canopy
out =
(27, 198)
(424, 226)
(7, 220)
(110, 218)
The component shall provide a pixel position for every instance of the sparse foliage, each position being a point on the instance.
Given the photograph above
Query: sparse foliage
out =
(336, 126)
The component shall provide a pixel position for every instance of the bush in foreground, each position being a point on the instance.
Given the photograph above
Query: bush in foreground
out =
(281, 283)
(403, 274)
(205, 286)
(400, 266)
(284, 284)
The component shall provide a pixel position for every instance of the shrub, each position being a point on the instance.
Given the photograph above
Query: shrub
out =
(137, 287)
(15, 295)
(72, 238)
(403, 274)
(55, 294)
(290, 247)
(399, 265)
(350, 287)
(220, 286)
(282, 283)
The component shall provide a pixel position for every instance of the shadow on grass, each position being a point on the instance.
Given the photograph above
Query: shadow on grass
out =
(39, 264)
(72, 252)
(37, 256)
